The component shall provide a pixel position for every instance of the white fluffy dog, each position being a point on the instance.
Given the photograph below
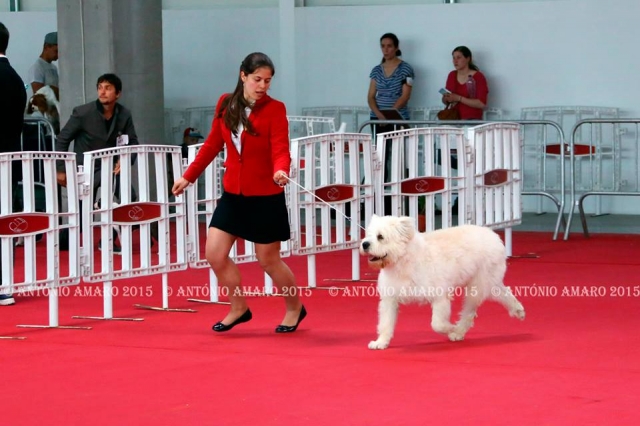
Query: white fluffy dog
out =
(467, 261)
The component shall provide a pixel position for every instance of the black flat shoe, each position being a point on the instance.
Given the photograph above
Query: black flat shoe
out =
(291, 328)
(219, 326)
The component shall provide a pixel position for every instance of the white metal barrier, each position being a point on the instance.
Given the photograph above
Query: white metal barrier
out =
(496, 173)
(112, 208)
(497, 180)
(352, 115)
(543, 149)
(535, 163)
(423, 170)
(39, 214)
(431, 113)
(301, 126)
(598, 167)
(338, 168)
(37, 135)
(486, 177)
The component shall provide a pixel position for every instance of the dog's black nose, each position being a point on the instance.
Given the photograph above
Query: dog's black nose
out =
(365, 245)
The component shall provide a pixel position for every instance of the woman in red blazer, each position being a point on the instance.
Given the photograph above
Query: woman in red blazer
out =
(254, 129)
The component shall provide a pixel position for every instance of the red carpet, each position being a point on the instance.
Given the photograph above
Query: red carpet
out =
(574, 360)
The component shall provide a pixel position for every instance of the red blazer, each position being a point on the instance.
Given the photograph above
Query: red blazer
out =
(251, 171)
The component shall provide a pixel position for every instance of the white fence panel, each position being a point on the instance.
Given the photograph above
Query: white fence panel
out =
(38, 217)
(335, 176)
(497, 179)
(301, 126)
(424, 167)
(113, 209)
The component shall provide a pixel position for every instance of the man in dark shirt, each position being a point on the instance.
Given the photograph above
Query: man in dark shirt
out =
(103, 123)
(13, 100)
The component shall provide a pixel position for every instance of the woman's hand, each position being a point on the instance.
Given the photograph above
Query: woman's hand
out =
(280, 178)
(451, 97)
(179, 186)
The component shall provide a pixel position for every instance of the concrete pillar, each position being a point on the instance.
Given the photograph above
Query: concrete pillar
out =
(119, 36)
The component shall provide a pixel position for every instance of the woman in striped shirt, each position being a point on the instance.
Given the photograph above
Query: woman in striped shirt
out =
(389, 89)
(391, 81)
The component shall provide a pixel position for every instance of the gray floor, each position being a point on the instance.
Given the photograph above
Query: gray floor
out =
(610, 223)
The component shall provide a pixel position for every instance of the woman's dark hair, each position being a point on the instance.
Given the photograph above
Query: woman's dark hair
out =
(394, 39)
(464, 50)
(232, 108)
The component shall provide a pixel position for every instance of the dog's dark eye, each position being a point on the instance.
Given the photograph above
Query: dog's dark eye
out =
(380, 237)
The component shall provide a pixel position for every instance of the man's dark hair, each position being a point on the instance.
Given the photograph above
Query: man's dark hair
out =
(111, 78)
(4, 38)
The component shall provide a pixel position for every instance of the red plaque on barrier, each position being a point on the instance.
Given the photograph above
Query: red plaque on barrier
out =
(334, 193)
(23, 223)
(496, 177)
(137, 212)
(422, 185)
(579, 149)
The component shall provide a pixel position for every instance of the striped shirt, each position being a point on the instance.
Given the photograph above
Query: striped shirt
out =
(389, 89)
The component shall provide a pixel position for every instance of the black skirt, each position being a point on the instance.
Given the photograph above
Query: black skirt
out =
(259, 219)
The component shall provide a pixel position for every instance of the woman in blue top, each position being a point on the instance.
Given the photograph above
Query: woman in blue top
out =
(391, 80)
(390, 88)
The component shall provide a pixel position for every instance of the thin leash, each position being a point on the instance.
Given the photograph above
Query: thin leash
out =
(322, 201)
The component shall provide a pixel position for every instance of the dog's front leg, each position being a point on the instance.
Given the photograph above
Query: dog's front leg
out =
(387, 315)
(441, 316)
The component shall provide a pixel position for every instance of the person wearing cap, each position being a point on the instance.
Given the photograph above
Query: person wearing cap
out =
(43, 72)
(191, 136)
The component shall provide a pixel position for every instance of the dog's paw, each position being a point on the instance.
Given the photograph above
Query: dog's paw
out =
(518, 313)
(378, 344)
(456, 336)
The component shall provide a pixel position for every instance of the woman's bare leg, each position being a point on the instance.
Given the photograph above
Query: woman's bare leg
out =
(217, 250)
(269, 259)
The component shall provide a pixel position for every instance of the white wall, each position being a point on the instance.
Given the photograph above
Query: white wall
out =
(573, 52)
(533, 53)
(203, 50)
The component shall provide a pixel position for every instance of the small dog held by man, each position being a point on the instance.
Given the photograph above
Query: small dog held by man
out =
(44, 104)
(467, 261)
